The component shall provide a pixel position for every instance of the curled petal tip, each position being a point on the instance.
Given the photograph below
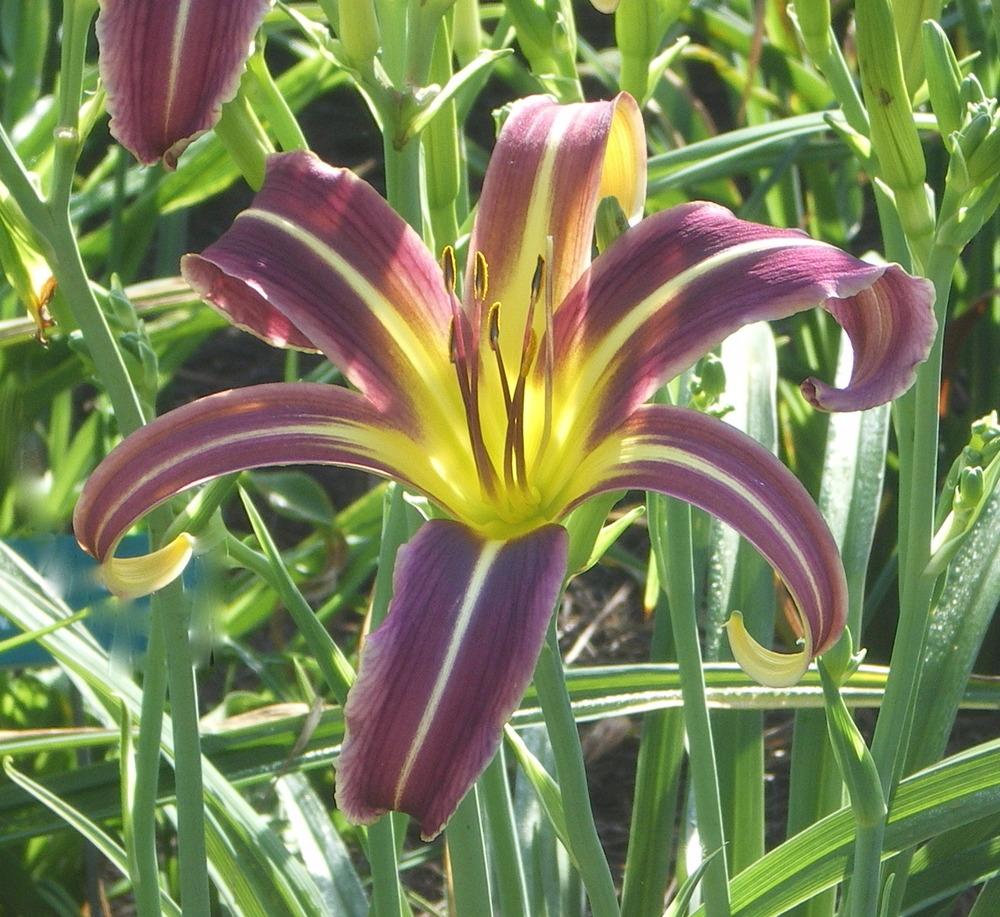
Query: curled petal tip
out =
(774, 670)
(133, 577)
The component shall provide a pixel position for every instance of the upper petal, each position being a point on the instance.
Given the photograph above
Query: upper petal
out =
(680, 282)
(551, 167)
(446, 669)
(275, 424)
(320, 260)
(169, 65)
(723, 471)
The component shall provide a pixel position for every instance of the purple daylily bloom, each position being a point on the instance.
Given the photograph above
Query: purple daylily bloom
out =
(169, 65)
(508, 406)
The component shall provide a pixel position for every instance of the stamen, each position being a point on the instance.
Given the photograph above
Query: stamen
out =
(514, 443)
(493, 329)
(468, 377)
(536, 280)
(448, 268)
(548, 367)
(481, 277)
(452, 343)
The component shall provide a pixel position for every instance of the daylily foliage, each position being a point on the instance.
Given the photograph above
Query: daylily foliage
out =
(509, 400)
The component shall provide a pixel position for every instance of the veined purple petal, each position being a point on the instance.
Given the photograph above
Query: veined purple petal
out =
(723, 471)
(275, 424)
(680, 282)
(551, 166)
(446, 669)
(169, 65)
(319, 260)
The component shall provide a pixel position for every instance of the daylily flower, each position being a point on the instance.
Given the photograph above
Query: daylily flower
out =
(168, 67)
(508, 407)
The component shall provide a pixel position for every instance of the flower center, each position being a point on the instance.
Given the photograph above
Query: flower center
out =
(502, 463)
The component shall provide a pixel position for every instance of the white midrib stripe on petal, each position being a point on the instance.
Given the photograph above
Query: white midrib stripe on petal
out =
(687, 460)
(424, 359)
(473, 593)
(328, 429)
(596, 361)
(176, 42)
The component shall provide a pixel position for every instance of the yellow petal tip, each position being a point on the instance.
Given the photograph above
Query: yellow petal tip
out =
(771, 669)
(133, 577)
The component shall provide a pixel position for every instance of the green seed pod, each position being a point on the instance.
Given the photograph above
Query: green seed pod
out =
(943, 78)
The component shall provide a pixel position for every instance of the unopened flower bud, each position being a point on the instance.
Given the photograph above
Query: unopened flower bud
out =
(943, 78)
(893, 130)
(358, 30)
(971, 91)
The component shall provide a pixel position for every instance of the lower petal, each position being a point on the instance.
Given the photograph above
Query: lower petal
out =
(699, 459)
(445, 671)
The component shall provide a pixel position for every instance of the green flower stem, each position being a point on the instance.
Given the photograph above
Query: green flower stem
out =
(496, 802)
(402, 172)
(19, 184)
(174, 618)
(550, 683)
(865, 791)
(916, 417)
(168, 608)
(392, 20)
(75, 28)
(862, 894)
(470, 872)
(442, 154)
(72, 278)
(272, 103)
(146, 882)
(918, 411)
(654, 806)
(387, 895)
(671, 537)
(838, 75)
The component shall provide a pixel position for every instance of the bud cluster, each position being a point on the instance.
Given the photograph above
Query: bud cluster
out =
(971, 481)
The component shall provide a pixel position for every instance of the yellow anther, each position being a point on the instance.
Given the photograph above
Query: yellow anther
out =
(132, 577)
(493, 325)
(481, 277)
(537, 278)
(448, 268)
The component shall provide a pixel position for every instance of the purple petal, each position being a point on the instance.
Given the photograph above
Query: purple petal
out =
(276, 424)
(169, 65)
(723, 471)
(551, 167)
(321, 261)
(446, 669)
(683, 280)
